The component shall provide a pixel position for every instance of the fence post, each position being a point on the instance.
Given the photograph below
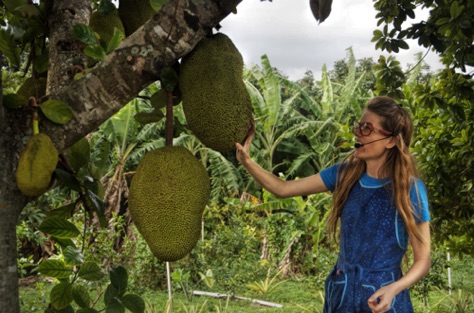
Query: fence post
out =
(449, 271)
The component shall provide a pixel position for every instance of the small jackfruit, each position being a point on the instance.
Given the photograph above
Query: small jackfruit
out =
(36, 165)
(215, 100)
(33, 87)
(168, 194)
(134, 13)
(105, 24)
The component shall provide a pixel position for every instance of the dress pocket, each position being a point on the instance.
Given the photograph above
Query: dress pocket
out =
(372, 281)
(335, 285)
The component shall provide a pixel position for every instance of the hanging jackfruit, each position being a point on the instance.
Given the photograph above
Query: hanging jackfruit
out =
(215, 100)
(134, 13)
(105, 24)
(168, 194)
(36, 165)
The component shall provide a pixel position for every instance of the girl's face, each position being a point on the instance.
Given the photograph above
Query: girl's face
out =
(371, 149)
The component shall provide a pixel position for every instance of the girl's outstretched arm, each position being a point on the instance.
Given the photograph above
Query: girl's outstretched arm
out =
(276, 186)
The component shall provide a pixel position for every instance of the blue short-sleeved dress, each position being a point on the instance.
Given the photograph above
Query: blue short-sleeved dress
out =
(373, 242)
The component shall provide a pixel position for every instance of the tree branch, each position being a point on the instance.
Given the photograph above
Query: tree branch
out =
(134, 65)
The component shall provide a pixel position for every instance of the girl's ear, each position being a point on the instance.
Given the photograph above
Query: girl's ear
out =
(393, 142)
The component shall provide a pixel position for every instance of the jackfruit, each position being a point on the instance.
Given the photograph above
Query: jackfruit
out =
(105, 24)
(36, 165)
(134, 13)
(168, 194)
(33, 87)
(215, 100)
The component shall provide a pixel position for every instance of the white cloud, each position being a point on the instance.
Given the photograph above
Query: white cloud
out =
(286, 31)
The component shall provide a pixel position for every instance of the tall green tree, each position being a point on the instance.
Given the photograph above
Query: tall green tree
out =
(442, 107)
(47, 29)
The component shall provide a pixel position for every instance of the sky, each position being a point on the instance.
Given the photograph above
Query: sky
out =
(287, 32)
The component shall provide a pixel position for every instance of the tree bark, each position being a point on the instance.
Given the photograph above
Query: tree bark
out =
(165, 38)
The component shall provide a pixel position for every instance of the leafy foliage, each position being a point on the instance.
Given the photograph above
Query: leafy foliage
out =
(447, 30)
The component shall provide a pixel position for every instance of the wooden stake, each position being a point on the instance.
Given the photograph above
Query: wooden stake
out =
(225, 296)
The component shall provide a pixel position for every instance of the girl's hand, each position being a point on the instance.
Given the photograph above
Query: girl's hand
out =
(243, 152)
(385, 297)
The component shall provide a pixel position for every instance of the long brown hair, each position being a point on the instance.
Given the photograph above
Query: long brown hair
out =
(399, 167)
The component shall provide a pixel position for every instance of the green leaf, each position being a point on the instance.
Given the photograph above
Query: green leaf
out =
(158, 99)
(149, 117)
(14, 101)
(169, 78)
(95, 52)
(115, 306)
(64, 212)
(119, 279)
(78, 155)
(84, 33)
(9, 48)
(56, 111)
(87, 310)
(90, 271)
(403, 44)
(73, 256)
(116, 40)
(442, 21)
(61, 295)
(81, 296)
(59, 227)
(157, 4)
(455, 10)
(41, 62)
(134, 303)
(27, 11)
(377, 35)
(67, 179)
(54, 268)
(110, 293)
(64, 242)
(98, 206)
(13, 4)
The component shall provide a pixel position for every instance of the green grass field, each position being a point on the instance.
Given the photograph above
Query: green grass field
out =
(295, 296)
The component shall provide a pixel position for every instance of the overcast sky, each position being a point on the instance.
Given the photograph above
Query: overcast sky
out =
(286, 31)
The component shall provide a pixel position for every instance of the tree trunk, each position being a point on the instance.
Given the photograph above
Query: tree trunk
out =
(12, 202)
(169, 35)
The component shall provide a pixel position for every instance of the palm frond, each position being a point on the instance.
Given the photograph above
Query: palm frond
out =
(226, 180)
(257, 100)
(327, 100)
(137, 154)
(298, 163)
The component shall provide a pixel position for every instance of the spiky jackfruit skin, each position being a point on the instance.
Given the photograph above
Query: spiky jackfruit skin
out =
(168, 194)
(134, 13)
(104, 25)
(36, 165)
(215, 100)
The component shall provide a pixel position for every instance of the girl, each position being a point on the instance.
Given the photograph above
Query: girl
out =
(378, 206)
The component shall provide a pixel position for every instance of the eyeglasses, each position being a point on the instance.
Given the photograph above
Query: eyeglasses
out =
(365, 129)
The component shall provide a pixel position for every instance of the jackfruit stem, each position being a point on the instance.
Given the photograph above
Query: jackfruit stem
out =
(35, 126)
(169, 119)
(34, 106)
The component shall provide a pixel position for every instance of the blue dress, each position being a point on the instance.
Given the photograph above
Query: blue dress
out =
(373, 242)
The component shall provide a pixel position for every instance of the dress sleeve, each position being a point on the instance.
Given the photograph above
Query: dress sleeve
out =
(419, 200)
(329, 176)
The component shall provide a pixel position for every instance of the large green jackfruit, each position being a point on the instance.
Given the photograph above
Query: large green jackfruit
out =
(105, 24)
(36, 165)
(168, 194)
(134, 13)
(216, 102)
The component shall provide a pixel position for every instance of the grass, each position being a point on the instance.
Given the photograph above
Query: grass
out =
(304, 296)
